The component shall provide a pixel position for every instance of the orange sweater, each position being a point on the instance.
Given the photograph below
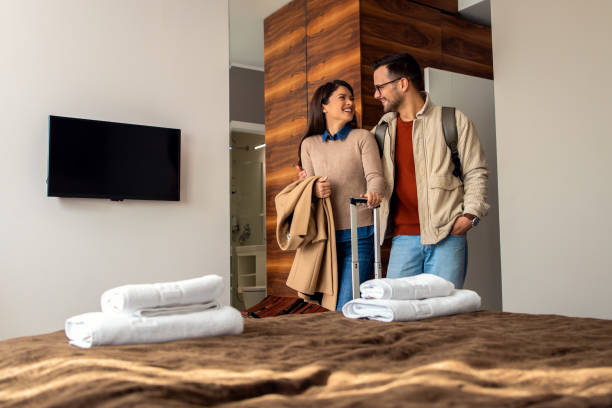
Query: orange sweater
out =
(406, 213)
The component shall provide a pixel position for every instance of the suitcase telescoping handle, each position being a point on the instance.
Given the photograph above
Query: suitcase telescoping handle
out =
(354, 244)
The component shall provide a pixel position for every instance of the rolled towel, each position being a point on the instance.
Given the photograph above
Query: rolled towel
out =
(422, 286)
(106, 329)
(172, 310)
(128, 299)
(391, 310)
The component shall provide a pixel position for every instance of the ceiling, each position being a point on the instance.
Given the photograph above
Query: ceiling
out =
(246, 26)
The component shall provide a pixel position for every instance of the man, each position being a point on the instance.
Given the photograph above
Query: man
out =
(426, 209)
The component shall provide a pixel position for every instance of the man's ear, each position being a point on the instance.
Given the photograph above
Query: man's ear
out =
(405, 84)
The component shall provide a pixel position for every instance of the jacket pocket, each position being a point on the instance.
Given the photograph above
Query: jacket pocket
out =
(445, 199)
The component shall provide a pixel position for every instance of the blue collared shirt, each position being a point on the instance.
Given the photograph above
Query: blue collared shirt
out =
(341, 135)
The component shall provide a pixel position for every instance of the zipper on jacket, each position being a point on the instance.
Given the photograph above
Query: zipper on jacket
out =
(392, 154)
(426, 214)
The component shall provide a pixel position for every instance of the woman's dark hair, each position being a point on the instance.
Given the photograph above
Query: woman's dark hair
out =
(316, 118)
(401, 65)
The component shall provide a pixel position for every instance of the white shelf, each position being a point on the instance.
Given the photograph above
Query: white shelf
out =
(250, 265)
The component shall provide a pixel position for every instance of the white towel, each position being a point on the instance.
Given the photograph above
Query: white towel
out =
(390, 310)
(128, 299)
(105, 329)
(424, 285)
(172, 310)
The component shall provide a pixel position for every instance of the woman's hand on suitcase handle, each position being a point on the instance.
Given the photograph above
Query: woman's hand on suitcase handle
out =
(374, 199)
(322, 188)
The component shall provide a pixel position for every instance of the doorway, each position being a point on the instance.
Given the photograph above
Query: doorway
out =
(247, 214)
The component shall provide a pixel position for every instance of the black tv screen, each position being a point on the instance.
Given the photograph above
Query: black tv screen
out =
(97, 159)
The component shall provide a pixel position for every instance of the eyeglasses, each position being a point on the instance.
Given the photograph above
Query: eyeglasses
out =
(381, 86)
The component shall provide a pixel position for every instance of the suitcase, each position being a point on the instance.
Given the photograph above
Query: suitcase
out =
(354, 249)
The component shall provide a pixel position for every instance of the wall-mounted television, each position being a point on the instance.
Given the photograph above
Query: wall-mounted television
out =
(98, 159)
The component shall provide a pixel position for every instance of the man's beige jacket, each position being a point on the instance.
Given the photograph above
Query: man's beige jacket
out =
(441, 196)
(307, 226)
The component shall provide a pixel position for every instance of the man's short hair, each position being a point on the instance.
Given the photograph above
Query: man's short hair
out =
(401, 65)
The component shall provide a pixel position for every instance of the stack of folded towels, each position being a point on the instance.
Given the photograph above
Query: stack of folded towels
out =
(156, 313)
(411, 298)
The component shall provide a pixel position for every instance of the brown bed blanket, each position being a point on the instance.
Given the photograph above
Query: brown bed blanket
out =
(325, 360)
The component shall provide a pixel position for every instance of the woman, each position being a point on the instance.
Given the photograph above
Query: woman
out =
(348, 161)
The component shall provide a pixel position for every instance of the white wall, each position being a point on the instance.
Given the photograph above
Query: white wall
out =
(154, 62)
(553, 99)
(246, 30)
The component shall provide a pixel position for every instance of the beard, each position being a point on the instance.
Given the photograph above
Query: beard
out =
(391, 107)
(392, 104)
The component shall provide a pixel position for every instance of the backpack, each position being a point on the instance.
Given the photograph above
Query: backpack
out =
(449, 127)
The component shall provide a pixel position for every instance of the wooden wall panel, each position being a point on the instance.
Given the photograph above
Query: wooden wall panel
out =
(285, 98)
(332, 47)
(450, 6)
(389, 27)
(467, 48)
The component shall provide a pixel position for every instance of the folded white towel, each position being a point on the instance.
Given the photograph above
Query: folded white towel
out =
(173, 310)
(388, 310)
(424, 285)
(129, 299)
(105, 329)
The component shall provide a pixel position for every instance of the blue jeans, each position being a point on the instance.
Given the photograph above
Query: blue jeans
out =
(447, 258)
(366, 263)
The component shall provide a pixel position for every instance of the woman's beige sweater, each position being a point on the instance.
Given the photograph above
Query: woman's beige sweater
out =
(352, 166)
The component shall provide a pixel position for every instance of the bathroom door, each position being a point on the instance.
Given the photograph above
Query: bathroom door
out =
(247, 189)
(247, 192)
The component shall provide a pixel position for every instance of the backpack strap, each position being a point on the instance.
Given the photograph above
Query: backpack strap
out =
(379, 133)
(449, 127)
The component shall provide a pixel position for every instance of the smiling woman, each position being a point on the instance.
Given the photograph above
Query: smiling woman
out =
(347, 162)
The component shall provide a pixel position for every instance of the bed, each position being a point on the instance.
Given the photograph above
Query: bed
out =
(323, 359)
